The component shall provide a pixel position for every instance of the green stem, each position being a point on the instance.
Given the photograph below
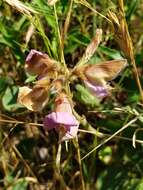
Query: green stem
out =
(60, 43)
(80, 166)
(67, 22)
(40, 28)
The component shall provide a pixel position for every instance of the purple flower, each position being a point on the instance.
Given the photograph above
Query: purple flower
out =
(34, 53)
(97, 90)
(63, 122)
(62, 119)
(97, 76)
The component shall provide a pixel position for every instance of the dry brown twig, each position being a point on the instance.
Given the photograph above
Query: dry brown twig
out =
(123, 38)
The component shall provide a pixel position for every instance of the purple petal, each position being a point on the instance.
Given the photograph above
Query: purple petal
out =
(71, 133)
(33, 53)
(40, 64)
(36, 63)
(56, 118)
(69, 122)
(97, 90)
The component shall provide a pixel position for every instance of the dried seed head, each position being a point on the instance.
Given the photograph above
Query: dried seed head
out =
(91, 48)
(121, 32)
(21, 7)
(51, 2)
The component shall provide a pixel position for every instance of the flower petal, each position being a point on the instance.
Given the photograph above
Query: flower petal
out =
(59, 118)
(38, 63)
(23, 91)
(54, 121)
(34, 99)
(107, 70)
(96, 90)
(71, 133)
(62, 104)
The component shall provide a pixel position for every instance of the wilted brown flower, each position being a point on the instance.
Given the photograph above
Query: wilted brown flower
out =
(33, 99)
(45, 68)
(38, 63)
(96, 76)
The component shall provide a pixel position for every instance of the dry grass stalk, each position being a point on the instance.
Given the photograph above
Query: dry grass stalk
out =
(51, 2)
(29, 33)
(21, 7)
(121, 33)
(124, 40)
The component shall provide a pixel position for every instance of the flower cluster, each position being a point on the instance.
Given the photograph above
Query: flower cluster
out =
(46, 69)
(51, 78)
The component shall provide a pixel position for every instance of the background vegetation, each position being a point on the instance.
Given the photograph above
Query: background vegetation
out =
(27, 152)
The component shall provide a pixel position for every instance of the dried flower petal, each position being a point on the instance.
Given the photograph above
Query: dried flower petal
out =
(33, 99)
(105, 71)
(23, 91)
(40, 64)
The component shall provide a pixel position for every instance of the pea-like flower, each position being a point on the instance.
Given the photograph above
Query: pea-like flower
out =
(40, 64)
(62, 119)
(97, 76)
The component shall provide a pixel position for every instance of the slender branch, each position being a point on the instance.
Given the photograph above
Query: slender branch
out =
(85, 3)
(67, 22)
(80, 165)
(19, 122)
(60, 43)
(102, 135)
(112, 136)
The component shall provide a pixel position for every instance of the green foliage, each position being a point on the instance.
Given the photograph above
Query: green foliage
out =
(27, 151)
(9, 99)
(21, 183)
(84, 96)
(105, 154)
(111, 53)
